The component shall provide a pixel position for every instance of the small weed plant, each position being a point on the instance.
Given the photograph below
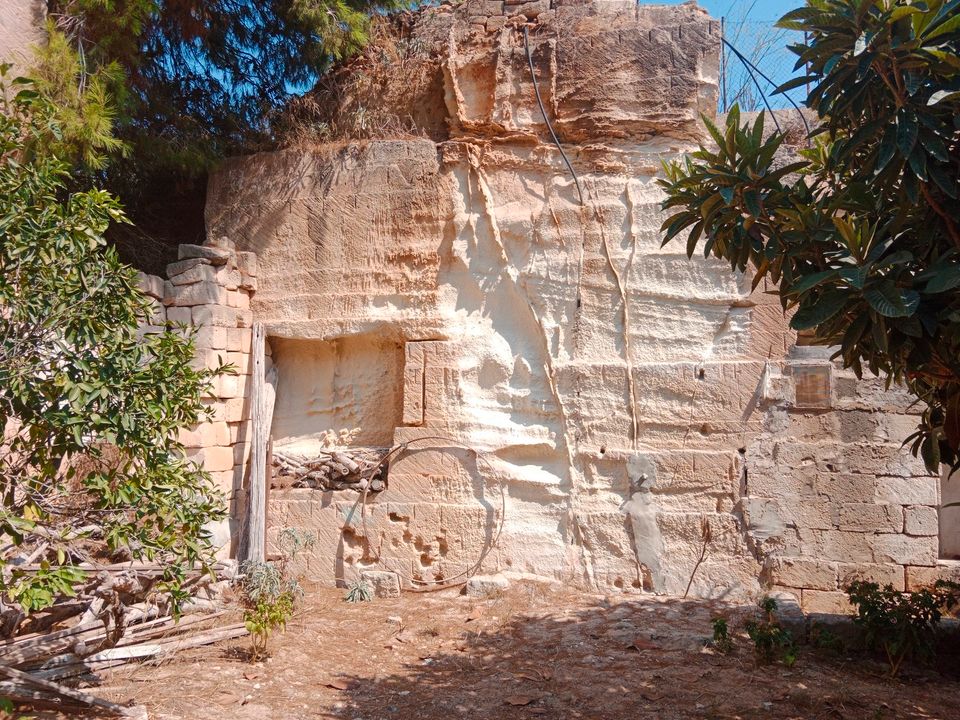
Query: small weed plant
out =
(722, 641)
(901, 624)
(770, 640)
(358, 592)
(270, 592)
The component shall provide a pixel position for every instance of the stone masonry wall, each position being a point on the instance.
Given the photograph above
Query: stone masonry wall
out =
(829, 494)
(209, 289)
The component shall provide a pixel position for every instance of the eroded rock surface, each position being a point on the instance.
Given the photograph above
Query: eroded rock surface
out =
(21, 28)
(595, 408)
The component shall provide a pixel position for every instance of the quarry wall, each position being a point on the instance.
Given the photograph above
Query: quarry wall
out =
(21, 23)
(594, 407)
(552, 393)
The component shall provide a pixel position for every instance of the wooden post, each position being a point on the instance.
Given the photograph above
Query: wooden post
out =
(723, 65)
(257, 516)
(269, 478)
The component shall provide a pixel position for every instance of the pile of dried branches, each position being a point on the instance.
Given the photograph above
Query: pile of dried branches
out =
(360, 469)
(118, 617)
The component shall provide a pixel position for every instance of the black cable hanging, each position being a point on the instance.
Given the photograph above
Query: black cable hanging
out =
(543, 111)
(751, 68)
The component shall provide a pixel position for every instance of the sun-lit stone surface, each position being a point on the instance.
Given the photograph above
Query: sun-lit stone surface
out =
(592, 402)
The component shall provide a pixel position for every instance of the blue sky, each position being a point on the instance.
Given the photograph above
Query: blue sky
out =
(761, 10)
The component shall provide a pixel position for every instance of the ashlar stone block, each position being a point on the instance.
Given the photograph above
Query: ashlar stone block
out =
(921, 520)
(868, 517)
(820, 602)
(804, 573)
(907, 491)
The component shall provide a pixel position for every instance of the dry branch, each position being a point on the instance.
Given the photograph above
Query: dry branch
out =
(28, 681)
(108, 631)
(359, 468)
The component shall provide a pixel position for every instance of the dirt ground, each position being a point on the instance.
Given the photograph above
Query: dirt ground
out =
(530, 652)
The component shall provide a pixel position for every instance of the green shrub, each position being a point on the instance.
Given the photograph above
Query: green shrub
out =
(270, 592)
(81, 386)
(269, 598)
(721, 635)
(769, 638)
(901, 624)
(822, 638)
(358, 592)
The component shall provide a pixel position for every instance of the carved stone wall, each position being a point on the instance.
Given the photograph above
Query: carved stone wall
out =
(575, 400)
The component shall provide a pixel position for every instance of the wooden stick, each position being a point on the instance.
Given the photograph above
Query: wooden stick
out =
(81, 697)
(35, 698)
(43, 638)
(269, 471)
(138, 633)
(81, 668)
(208, 638)
(70, 664)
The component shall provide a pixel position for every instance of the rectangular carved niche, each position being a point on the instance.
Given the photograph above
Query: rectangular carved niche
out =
(346, 383)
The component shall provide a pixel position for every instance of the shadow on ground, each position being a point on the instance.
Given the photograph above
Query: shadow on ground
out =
(624, 659)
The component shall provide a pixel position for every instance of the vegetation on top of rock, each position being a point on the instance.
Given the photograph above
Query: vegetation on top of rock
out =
(183, 84)
(861, 235)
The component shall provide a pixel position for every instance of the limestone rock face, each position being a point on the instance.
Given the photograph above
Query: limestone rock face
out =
(579, 402)
(21, 27)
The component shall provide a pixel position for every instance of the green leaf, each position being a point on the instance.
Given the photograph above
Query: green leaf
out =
(907, 131)
(798, 19)
(935, 146)
(809, 282)
(943, 180)
(943, 281)
(938, 30)
(902, 11)
(713, 130)
(941, 95)
(886, 150)
(828, 305)
(856, 276)
(911, 187)
(886, 299)
(694, 237)
(751, 198)
(860, 46)
(793, 84)
(918, 164)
